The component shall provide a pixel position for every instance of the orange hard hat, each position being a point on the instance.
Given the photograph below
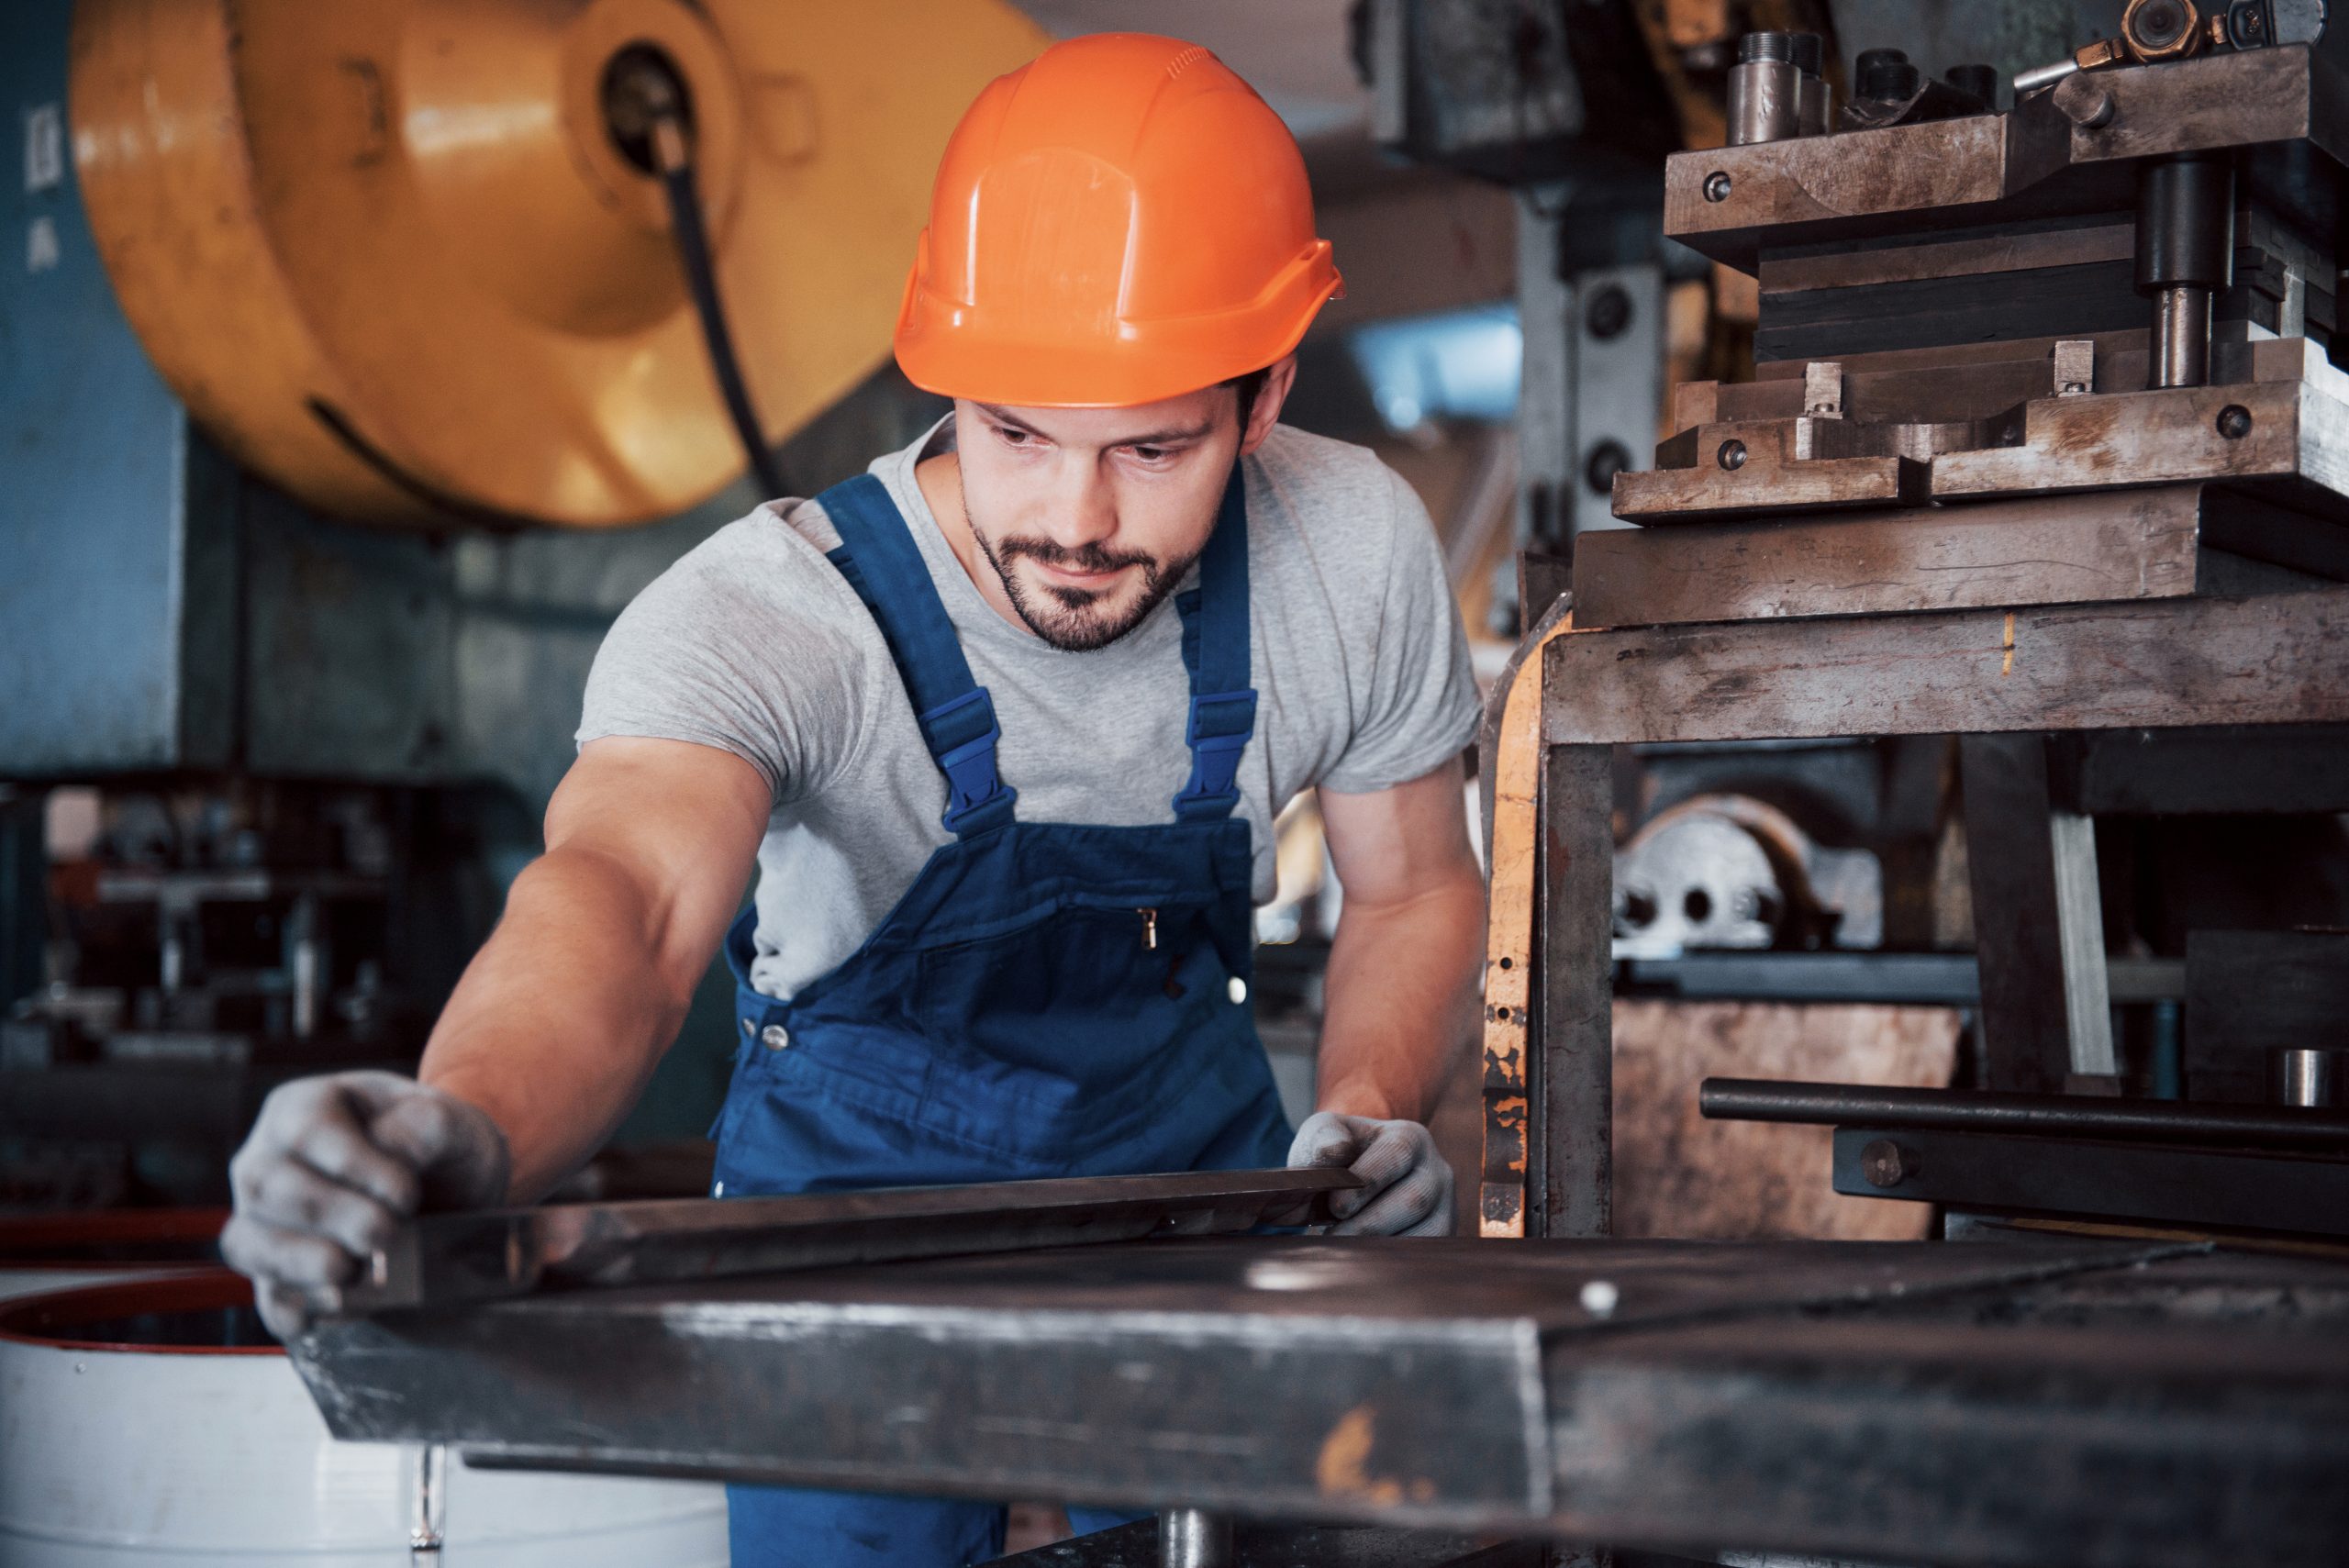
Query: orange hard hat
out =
(1119, 220)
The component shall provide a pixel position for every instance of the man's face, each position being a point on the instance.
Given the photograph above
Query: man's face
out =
(1091, 516)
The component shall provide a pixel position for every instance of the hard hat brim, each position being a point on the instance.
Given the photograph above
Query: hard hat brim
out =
(958, 350)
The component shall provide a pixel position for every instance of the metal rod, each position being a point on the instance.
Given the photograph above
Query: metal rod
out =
(2051, 1116)
(1765, 90)
(2308, 1078)
(1193, 1538)
(2181, 337)
(2186, 210)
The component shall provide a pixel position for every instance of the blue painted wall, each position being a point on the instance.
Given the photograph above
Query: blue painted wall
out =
(93, 519)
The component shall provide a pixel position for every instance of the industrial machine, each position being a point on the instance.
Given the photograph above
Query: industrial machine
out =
(347, 341)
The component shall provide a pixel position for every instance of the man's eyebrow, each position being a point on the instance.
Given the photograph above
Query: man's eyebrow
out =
(1168, 438)
(1006, 416)
(1149, 439)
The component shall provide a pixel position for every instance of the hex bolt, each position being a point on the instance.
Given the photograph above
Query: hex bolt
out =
(1610, 312)
(1607, 460)
(1885, 1164)
(1717, 185)
(2234, 421)
(1732, 456)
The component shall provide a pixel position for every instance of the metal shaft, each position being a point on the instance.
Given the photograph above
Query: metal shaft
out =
(2051, 1116)
(2181, 354)
(1765, 90)
(1193, 1538)
(2185, 231)
(2307, 1078)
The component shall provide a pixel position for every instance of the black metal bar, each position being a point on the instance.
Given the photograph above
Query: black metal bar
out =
(2192, 1187)
(2038, 1116)
(446, 1260)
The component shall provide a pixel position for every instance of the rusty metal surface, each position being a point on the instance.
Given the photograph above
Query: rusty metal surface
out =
(1679, 1175)
(1729, 202)
(446, 1260)
(1896, 1400)
(2277, 659)
(2290, 439)
(2133, 544)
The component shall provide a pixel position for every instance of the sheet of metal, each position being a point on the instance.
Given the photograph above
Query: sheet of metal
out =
(1754, 1396)
(448, 1259)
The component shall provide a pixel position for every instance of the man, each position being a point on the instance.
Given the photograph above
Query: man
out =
(1011, 807)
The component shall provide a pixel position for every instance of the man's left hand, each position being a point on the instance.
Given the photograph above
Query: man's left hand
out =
(1406, 1186)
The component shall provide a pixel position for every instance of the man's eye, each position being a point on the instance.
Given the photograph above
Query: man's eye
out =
(1150, 454)
(1016, 437)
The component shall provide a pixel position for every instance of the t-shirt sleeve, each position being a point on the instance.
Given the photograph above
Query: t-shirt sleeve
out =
(1420, 707)
(742, 645)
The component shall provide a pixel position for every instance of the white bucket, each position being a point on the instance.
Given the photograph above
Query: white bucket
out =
(44, 1252)
(153, 1422)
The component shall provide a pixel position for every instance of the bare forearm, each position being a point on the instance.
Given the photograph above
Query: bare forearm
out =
(562, 1015)
(1401, 999)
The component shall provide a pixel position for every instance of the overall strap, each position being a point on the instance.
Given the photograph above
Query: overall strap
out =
(1215, 652)
(881, 562)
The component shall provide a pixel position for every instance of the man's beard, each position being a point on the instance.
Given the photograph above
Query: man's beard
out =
(1078, 620)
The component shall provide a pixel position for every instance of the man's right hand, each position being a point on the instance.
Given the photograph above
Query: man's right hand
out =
(333, 1166)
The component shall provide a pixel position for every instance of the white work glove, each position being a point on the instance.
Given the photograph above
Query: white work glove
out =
(332, 1167)
(1407, 1188)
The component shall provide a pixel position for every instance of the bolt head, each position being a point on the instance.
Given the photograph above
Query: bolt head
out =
(1718, 185)
(1607, 460)
(1887, 1164)
(1610, 312)
(1732, 455)
(2234, 421)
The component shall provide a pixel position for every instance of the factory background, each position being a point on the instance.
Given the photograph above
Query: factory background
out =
(335, 434)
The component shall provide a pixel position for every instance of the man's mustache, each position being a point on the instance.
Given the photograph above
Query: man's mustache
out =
(1084, 558)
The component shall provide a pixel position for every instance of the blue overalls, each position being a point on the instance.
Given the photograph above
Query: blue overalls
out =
(1047, 999)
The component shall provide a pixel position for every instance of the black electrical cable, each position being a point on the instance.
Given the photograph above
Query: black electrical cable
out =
(677, 170)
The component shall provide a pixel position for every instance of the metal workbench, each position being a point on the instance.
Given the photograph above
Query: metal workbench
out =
(2081, 1402)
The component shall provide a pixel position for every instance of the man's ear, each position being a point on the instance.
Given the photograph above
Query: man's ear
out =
(1278, 378)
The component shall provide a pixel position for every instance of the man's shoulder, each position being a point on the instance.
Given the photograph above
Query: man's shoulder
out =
(1337, 508)
(762, 577)
(1292, 458)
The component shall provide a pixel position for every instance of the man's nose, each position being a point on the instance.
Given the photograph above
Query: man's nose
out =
(1081, 510)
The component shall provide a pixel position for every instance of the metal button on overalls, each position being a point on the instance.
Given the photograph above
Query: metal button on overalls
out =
(1046, 999)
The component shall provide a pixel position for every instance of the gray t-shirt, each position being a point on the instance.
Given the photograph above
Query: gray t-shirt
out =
(753, 643)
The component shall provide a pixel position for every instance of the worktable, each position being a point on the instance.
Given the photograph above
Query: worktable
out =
(2071, 1401)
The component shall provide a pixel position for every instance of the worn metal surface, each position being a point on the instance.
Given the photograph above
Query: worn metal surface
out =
(2231, 769)
(2032, 865)
(1859, 1398)
(1987, 169)
(2232, 1189)
(2278, 658)
(1680, 1174)
(451, 1258)
(2028, 1115)
(2249, 993)
(2289, 439)
(2126, 544)
(1570, 1093)
(1278, 1546)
